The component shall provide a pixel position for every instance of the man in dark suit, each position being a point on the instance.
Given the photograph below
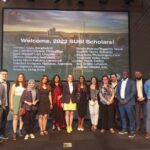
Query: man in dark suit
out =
(140, 100)
(126, 91)
(6, 84)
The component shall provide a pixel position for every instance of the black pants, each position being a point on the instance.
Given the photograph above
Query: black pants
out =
(107, 116)
(29, 121)
(4, 121)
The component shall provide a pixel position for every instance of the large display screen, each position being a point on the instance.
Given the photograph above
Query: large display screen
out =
(89, 43)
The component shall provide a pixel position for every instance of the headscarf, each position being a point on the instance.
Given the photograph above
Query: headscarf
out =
(32, 89)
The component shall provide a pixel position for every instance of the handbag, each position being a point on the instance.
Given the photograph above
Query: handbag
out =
(22, 111)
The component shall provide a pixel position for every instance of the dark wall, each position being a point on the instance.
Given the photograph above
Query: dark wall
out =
(139, 23)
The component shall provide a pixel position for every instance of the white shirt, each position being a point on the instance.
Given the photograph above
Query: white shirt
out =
(71, 87)
(19, 90)
(139, 86)
(123, 87)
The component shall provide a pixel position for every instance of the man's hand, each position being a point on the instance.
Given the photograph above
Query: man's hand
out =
(123, 101)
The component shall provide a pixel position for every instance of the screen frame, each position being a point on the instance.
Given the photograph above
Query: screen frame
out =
(129, 34)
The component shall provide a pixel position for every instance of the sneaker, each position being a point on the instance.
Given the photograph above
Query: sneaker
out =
(53, 127)
(14, 136)
(1, 140)
(26, 137)
(81, 129)
(5, 137)
(147, 136)
(131, 135)
(32, 136)
(102, 131)
(122, 132)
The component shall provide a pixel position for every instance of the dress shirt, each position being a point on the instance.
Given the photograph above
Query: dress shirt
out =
(123, 87)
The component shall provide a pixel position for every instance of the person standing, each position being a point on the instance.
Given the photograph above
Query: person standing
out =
(16, 91)
(57, 112)
(82, 89)
(107, 105)
(69, 102)
(126, 91)
(147, 91)
(140, 100)
(114, 83)
(93, 103)
(2, 104)
(29, 101)
(5, 82)
(45, 103)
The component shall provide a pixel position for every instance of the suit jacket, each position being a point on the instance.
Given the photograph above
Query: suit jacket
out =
(27, 96)
(8, 90)
(130, 92)
(67, 95)
(143, 91)
(2, 95)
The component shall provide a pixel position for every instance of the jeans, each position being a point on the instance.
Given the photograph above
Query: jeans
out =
(127, 114)
(148, 116)
(1, 114)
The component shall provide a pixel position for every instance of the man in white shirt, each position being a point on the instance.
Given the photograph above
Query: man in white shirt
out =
(126, 91)
(140, 100)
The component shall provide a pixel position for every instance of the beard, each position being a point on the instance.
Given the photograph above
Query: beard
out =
(138, 78)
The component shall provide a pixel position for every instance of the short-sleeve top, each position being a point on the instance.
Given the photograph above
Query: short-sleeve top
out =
(106, 92)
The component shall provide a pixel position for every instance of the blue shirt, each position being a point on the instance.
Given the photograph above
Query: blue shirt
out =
(147, 88)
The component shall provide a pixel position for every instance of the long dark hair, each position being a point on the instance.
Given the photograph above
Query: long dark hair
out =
(24, 83)
(84, 84)
(97, 85)
(47, 84)
(53, 81)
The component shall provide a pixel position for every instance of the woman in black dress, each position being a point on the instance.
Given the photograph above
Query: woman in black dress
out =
(45, 103)
(83, 96)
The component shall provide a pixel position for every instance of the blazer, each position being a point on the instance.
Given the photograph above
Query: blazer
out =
(27, 96)
(130, 92)
(2, 95)
(8, 89)
(67, 95)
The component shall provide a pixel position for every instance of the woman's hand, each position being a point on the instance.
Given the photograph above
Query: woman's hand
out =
(29, 103)
(11, 108)
(51, 106)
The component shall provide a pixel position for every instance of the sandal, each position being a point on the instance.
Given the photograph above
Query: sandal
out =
(42, 133)
(45, 132)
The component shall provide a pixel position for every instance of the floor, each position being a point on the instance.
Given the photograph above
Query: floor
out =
(78, 140)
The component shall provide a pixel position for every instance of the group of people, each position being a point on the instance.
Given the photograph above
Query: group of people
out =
(110, 101)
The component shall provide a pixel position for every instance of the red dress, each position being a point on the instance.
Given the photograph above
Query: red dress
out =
(58, 113)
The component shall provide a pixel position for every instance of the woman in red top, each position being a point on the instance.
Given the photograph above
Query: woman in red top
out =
(58, 113)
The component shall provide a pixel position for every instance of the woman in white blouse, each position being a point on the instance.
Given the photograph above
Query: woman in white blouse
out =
(16, 91)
